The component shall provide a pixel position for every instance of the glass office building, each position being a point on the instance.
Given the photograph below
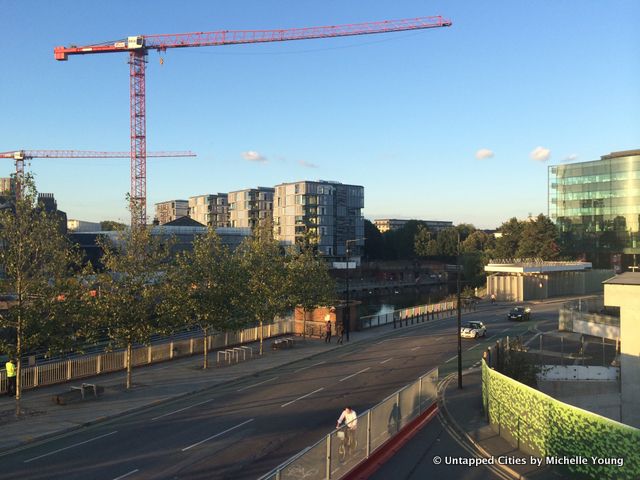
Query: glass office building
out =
(596, 206)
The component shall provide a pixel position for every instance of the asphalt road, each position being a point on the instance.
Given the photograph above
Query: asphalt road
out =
(244, 429)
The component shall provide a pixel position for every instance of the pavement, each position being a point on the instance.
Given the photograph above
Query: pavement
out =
(460, 410)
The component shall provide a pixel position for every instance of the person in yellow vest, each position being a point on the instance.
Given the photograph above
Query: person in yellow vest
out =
(10, 366)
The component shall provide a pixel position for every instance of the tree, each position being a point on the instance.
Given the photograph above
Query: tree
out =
(309, 284)
(421, 242)
(447, 242)
(539, 238)
(130, 290)
(109, 225)
(507, 244)
(202, 289)
(264, 292)
(374, 245)
(38, 266)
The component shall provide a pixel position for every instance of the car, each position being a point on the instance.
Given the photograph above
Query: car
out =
(519, 313)
(473, 330)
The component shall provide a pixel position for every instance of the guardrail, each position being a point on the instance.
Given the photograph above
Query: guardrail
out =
(330, 458)
(62, 371)
(418, 313)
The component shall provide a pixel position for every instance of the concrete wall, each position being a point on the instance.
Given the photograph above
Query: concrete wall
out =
(538, 286)
(579, 372)
(601, 397)
(627, 297)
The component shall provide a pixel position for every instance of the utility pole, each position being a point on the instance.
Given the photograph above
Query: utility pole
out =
(347, 313)
(459, 315)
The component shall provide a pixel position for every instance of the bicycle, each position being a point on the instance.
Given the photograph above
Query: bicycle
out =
(348, 443)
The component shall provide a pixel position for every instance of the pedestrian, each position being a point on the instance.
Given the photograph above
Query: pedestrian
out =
(340, 333)
(10, 367)
(327, 337)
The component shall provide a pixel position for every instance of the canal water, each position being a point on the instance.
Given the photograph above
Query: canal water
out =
(381, 304)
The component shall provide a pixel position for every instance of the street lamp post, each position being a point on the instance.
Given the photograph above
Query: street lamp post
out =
(347, 312)
(459, 315)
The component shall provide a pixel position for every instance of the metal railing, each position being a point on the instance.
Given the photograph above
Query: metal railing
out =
(332, 458)
(418, 313)
(100, 363)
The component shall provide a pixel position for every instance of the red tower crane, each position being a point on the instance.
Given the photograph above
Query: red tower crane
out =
(139, 45)
(19, 156)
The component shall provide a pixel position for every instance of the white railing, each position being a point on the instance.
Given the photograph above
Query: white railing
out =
(96, 364)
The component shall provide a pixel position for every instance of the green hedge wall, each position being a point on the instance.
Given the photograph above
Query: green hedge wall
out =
(547, 427)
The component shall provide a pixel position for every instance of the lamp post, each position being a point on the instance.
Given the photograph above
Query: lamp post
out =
(347, 312)
(459, 315)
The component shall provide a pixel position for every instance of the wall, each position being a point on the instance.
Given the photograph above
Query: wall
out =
(627, 297)
(541, 425)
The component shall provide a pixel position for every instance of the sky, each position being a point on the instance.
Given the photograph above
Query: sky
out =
(457, 123)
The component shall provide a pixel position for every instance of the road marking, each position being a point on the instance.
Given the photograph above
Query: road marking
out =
(218, 434)
(70, 446)
(452, 358)
(385, 361)
(183, 409)
(415, 348)
(308, 366)
(126, 474)
(354, 374)
(300, 398)
(256, 384)
(471, 348)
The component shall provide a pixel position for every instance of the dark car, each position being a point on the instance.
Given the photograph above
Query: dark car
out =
(519, 313)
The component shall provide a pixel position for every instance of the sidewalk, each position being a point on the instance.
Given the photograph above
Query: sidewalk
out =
(461, 413)
(152, 385)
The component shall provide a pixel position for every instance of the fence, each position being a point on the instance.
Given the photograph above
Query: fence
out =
(96, 364)
(414, 314)
(330, 459)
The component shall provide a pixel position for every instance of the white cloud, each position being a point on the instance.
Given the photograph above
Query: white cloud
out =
(304, 163)
(571, 158)
(253, 156)
(484, 153)
(540, 154)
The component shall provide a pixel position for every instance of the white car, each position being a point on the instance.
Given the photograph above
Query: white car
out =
(473, 330)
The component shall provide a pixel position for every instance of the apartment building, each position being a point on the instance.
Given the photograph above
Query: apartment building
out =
(251, 207)
(389, 224)
(171, 210)
(331, 211)
(211, 210)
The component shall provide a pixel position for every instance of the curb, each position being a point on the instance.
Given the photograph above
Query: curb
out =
(462, 436)
(60, 433)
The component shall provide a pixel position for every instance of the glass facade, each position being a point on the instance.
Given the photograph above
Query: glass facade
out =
(596, 206)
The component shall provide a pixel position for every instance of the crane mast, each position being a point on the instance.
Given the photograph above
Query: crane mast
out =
(138, 46)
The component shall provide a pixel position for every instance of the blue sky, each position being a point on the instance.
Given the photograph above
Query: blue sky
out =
(404, 114)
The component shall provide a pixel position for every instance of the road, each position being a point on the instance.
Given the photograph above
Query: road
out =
(243, 429)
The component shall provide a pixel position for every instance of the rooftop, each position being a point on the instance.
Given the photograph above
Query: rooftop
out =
(627, 278)
(535, 266)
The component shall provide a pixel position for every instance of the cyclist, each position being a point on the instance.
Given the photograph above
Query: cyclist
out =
(350, 419)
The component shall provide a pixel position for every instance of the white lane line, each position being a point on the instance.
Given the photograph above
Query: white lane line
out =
(300, 398)
(471, 348)
(256, 384)
(308, 366)
(415, 348)
(70, 446)
(354, 374)
(452, 358)
(385, 361)
(505, 330)
(126, 474)
(183, 409)
(217, 434)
